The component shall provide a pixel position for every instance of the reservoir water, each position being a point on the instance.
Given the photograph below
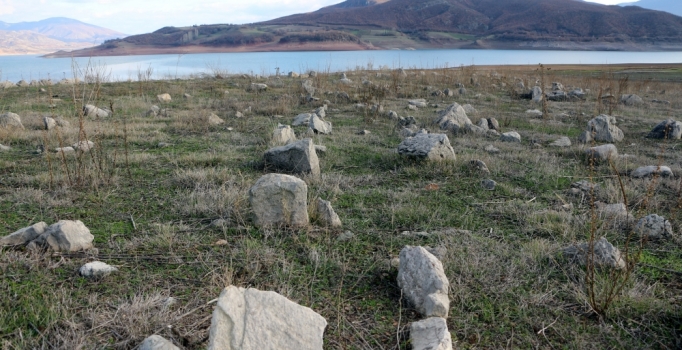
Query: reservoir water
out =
(15, 68)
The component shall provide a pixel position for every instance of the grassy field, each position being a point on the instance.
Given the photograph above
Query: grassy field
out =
(151, 207)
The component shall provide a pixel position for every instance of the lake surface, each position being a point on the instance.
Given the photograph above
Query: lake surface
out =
(15, 68)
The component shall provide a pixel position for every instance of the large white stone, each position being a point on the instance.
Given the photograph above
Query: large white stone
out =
(427, 146)
(453, 118)
(164, 98)
(249, 319)
(278, 199)
(67, 236)
(423, 282)
(92, 111)
(282, 135)
(602, 129)
(10, 119)
(96, 269)
(296, 157)
(430, 334)
(319, 126)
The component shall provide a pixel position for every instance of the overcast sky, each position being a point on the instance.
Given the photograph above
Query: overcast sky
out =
(142, 16)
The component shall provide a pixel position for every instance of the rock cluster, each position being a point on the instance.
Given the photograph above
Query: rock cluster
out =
(64, 236)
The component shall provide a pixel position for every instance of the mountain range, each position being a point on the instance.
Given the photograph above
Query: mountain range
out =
(407, 24)
(51, 35)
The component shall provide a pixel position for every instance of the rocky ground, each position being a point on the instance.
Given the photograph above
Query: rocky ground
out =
(389, 209)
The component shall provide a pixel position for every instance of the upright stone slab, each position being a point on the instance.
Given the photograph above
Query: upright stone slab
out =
(327, 215)
(282, 135)
(423, 282)
(319, 126)
(434, 147)
(295, 157)
(430, 334)
(278, 199)
(249, 319)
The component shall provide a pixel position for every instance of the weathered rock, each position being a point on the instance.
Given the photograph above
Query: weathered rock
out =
(215, 120)
(492, 149)
(363, 132)
(249, 319)
(430, 334)
(448, 93)
(157, 342)
(320, 149)
(392, 115)
(534, 113)
(295, 157)
(511, 136)
(602, 153)
(4, 148)
(489, 184)
(49, 123)
(482, 123)
(407, 121)
(602, 129)
(605, 254)
(556, 86)
(83, 146)
(238, 114)
(453, 118)
(327, 215)
(293, 75)
(278, 199)
(493, 124)
(23, 83)
(434, 147)
(631, 100)
(96, 269)
(479, 165)
(462, 91)
(420, 103)
(92, 111)
(577, 94)
(651, 170)
(319, 126)
(476, 130)
(557, 96)
(258, 87)
(423, 282)
(654, 227)
(25, 235)
(66, 236)
(164, 98)
(308, 87)
(64, 150)
(6, 85)
(668, 129)
(536, 94)
(321, 112)
(282, 135)
(153, 111)
(302, 119)
(561, 142)
(10, 120)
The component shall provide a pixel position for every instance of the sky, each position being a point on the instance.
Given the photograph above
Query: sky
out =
(143, 16)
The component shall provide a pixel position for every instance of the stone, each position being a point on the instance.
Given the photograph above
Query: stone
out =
(186, 96)
(6, 85)
(10, 119)
(483, 124)
(296, 157)
(61, 122)
(602, 153)
(654, 227)
(278, 199)
(534, 113)
(667, 129)
(49, 123)
(453, 118)
(25, 235)
(238, 114)
(488, 184)
(420, 103)
(422, 279)
(363, 132)
(462, 91)
(319, 126)
(283, 135)
(83, 146)
(556, 86)
(479, 165)
(557, 96)
(293, 75)
(23, 83)
(66, 236)
(64, 150)
(631, 100)
(164, 98)
(321, 112)
(92, 111)
(407, 121)
(4, 148)
(435, 147)
(605, 254)
(345, 236)
(320, 149)
(577, 94)
(651, 170)
(96, 269)
(215, 120)
(602, 129)
(492, 149)
(153, 111)
(561, 142)
(536, 94)
(612, 211)
(302, 119)
(448, 93)
(326, 214)
(493, 124)
(249, 319)
(469, 109)
(392, 115)
(430, 334)
(258, 87)
(308, 87)
(157, 342)
(511, 136)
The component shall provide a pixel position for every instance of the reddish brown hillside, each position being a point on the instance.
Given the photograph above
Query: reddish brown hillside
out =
(506, 19)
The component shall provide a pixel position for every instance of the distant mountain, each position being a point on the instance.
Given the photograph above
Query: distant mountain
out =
(423, 24)
(31, 43)
(65, 29)
(560, 20)
(671, 6)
